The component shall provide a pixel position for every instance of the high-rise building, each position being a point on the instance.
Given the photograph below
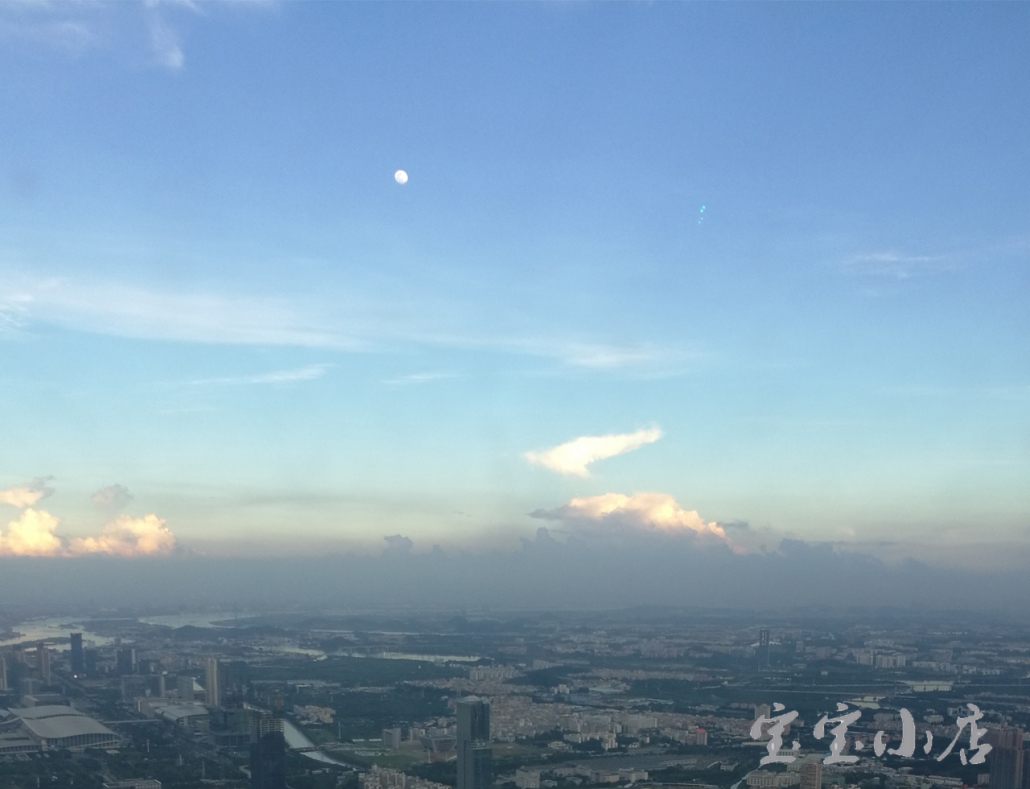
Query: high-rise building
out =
(90, 662)
(127, 661)
(43, 662)
(475, 756)
(1006, 757)
(812, 775)
(763, 646)
(212, 688)
(3, 673)
(184, 685)
(268, 753)
(78, 658)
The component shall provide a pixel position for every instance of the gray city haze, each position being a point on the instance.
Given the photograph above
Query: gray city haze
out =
(623, 571)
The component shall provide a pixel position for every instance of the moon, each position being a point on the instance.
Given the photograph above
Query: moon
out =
(400, 177)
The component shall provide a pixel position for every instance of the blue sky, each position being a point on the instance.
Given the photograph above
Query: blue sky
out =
(214, 293)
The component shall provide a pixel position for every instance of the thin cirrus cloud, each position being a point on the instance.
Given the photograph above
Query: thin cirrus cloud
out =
(165, 47)
(894, 264)
(140, 313)
(573, 457)
(413, 379)
(73, 28)
(120, 310)
(34, 532)
(308, 373)
(646, 510)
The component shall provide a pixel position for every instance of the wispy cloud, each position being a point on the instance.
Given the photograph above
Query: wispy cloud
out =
(308, 373)
(413, 379)
(896, 265)
(72, 36)
(574, 456)
(164, 44)
(641, 360)
(999, 392)
(606, 357)
(13, 307)
(127, 311)
(75, 27)
(121, 310)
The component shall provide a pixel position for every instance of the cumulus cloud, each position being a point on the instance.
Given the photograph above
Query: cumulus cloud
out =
(25, 495)
(648, 511)
(34, 532)
(111, 498)
(574, 456)
(398, 544)
(31, 535)
(128, 536)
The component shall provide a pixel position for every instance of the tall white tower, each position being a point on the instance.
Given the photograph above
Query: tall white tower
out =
(212, 690)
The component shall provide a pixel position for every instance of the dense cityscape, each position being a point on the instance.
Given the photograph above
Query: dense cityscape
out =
(644, 697)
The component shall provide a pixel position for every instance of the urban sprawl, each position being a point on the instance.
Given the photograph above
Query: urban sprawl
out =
(648, 698)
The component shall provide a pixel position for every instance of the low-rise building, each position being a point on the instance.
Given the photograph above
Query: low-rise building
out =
(58, 727)
(190, 715)
(763, 779)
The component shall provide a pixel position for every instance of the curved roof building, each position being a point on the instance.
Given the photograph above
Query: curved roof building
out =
(58, 726)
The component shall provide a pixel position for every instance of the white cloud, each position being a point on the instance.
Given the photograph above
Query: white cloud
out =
(640, 360)
(652, 511)
(417, 378)
(113, 497)
(894, 264)
(74, 27)
(358, 325)
(574, 456)
(164, 45)
(308, 373)
(13, 307)
(607, 357)
(128, 536)
(25, 495)
(32, 534)
(126, 311)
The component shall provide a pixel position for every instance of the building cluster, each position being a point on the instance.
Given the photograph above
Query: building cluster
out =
(535, 778)
(589, 704)
(313, 714)
(386, 778)
(807, 774)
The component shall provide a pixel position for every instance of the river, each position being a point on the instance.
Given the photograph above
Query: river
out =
(295, 738)
(55, 630)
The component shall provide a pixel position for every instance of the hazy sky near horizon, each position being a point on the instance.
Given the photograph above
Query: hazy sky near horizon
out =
(657, 267)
